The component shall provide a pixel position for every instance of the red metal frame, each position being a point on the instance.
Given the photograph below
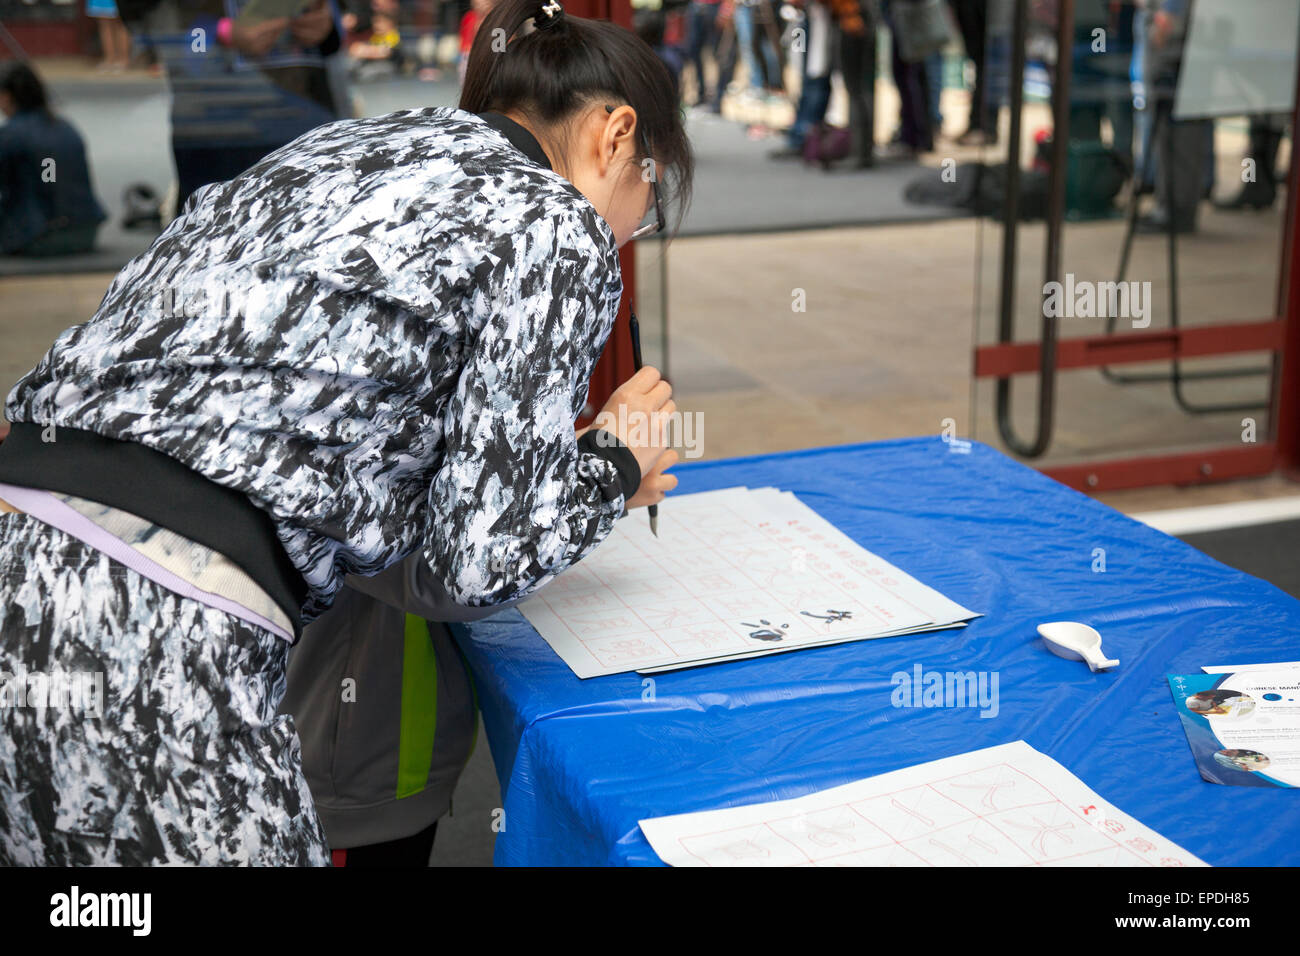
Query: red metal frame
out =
(1220, 464)
(1279, 336)
(615, 365)
(1286, 407)
(998, 361)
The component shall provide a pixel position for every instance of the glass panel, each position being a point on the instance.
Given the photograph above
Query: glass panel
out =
(1215, 181)
(652, 302)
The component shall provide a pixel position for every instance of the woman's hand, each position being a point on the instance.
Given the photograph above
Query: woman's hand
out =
(313, 27)
(257, 40)
(638, 413)
(656, 484)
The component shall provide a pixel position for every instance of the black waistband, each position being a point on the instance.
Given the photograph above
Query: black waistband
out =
(147, 483)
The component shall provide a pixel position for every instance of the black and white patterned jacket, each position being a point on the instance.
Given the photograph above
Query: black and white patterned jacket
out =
(381, 334)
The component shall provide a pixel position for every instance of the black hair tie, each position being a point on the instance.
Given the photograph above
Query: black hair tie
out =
(549, 16)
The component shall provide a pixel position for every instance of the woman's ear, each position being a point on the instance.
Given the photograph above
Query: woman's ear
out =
(618, 135)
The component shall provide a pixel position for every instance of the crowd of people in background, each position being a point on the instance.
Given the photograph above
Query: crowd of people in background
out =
(791, 50)
(424, 37)
(769, 64)
(753, 52)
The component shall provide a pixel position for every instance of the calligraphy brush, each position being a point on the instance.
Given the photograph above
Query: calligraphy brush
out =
(635, 328)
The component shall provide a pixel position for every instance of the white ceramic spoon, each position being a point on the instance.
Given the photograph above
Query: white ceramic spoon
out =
(1076, 642)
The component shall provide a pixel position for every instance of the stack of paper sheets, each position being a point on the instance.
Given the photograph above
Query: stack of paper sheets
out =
(734, 573)
(1008, 805)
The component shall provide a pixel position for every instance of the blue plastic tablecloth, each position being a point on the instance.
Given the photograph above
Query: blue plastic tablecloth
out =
(581, 761)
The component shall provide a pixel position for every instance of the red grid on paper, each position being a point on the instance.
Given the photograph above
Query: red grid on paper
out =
(646, 647)
(1136, 849)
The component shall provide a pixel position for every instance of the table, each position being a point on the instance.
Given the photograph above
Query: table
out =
(580, 762)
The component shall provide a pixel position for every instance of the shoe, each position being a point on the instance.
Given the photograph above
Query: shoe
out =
(1255, 195)
(785, 152)
(143, 207)
(976, 137)
(897, 152)
(1158, 223)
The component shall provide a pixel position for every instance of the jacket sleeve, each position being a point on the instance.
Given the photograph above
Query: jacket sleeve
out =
(411, 586)
(515, 501)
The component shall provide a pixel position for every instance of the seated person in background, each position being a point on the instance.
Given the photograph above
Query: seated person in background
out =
(47, 205)
(383, 46)
(259, 81)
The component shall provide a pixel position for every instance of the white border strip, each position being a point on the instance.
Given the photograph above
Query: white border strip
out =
(1237, 514)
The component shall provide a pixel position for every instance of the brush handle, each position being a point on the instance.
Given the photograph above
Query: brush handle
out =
(634, 327)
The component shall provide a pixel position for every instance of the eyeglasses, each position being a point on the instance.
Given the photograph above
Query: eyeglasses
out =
(657, 226)
(650, 228)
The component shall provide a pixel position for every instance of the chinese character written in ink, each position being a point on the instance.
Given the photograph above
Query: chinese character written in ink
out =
(830, 616)
(767, 633)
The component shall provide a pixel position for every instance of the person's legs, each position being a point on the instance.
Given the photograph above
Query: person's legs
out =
(743, 18)
(858, 68)
(768, 38)
(814, 97)
(411, 851)
(1259, 188)
(913, 92)
(695, 44)
(814, 91)
(106, 42)
(121, 43)
(1146, 160)
(1119, 109)
(727, 55)
(933, 65)
(1179, 146)
(172, 753)
(700, 29)
(972, 23)
(818, 100)
(921, 99)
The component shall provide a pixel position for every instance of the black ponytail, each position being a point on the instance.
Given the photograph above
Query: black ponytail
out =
(531, 57)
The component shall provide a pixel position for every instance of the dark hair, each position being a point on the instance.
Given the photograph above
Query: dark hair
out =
(569, 63)
(21, 82)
